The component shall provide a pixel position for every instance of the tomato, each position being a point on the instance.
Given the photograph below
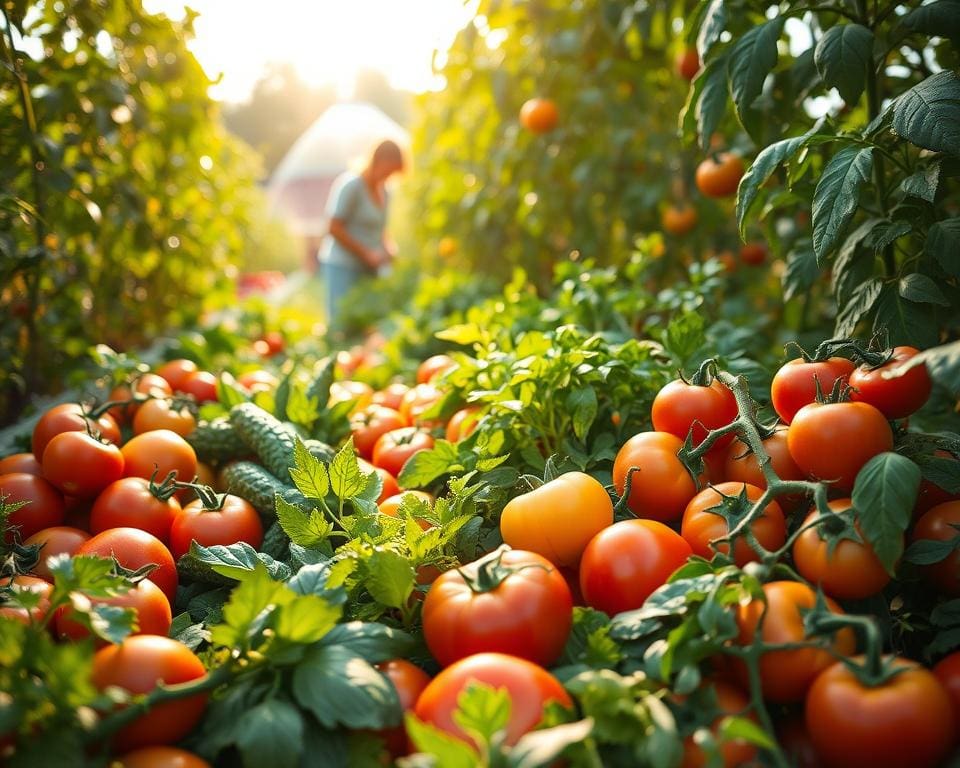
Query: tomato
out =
(80, 465)
(938, 524)
(794, 385)
(70, 417)
(234, 522)
(391, 505)
(368, 424)
(44, 507)
(529, 686)
(741, 465)
(947, 671)
(852, 571)
(389, 487)
(176, 372)
(701, 526)
(137, 665)
(159, 414)
(680, 407)
(26, 584)
(753, 254)
(202, 385)
(688, 63)
(134, 549)
(731, 701)
(151, 606)
(662, 488)
(719, 175)
(463, 424)
(359, 392)
(539, 115)
(257, 380)
(558, 519)
(679, 219)
(434, 367)
(625, 563)
(510, 601)
(419, 400)
(787, 674)
(905, 721)
(409, 682)
(56, 540)
(160, 451)
(152, 384)
(394, 448)
(160, 757)
(391, 396)
(931, 494)
(21, 462)
(129, 503)
(894, 398)
(832, 442)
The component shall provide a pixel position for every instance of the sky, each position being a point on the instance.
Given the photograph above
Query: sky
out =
(327, 41)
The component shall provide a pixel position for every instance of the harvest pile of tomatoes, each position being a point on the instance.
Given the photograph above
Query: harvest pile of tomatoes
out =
(505, 619)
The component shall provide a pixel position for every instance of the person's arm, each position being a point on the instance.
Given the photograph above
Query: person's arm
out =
(338, 230)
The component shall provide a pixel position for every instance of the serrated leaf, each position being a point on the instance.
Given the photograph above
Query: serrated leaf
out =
(685, 334)
(753, 57)
(923, 183)
(937, 19)
(712, 24)
(582, 405)
(906, 322)
(860, 303)
(270, 733)
(184, 630)
(243, 612)
(943, 244)
(301, 408)
(448, 751)
(389, 578)
(711, 99)
(543, 747)
(883, 495)
(424, 467)
(930, 551)
(373, 641)
(306, 619)
(236, 561)
(921, 289)
(346, 479)
(308, 473)
(837, 196)
(843, 56)
(482, 710)
(229, 393)
(760, 172)
(928, 114)
(802, 271)
(308, 529)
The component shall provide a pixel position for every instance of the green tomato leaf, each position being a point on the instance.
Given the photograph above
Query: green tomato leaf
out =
(270, 733)
(742, 728)
(482, 711)
(308, 529)
(843, 56)
(802, 270)
(943, 244)
(308, 473)
(229, 393)
(543, 747)
(424, 467)
(921, 289)
(248, 607)
(836, 197)
(301, 408)
(761, 170)
(940, 18)
(306, 619)
(235, 561)
(883, 495)
(906, 321)
(930, 551)
(928, 114)
(373, 641)
(346, 479)
(710, 90)
(924, 183)
(582, 404)
(447, 751)
(753, 57)
(712, 24)
(389, 578)
(860, 303)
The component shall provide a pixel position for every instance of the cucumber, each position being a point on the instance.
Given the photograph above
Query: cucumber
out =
(258, 486)
(217, 441)
(275, 542)
(272, 440)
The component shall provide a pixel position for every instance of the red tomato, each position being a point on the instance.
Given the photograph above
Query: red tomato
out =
(409, 682)
(202, 385)
(151, 606)
(938, 524)
(731, 701)
(894, 398)
(463, 424)
(719, 175)
(753, 254)
(21, 462)
(394, 448)
(368, 424)
(434, 367)
(257, 381)
(931, 494)
(137, 665)
(688, 63)
(160, 451)
(391, 505)
(159, 414)
(152, 384)
(134, 549)
(625, 563)
(701, 526)
(57, 540)
(389, 488)
(80, 465)
(530, 688)
(905, 721)
(794, 385)
(662, 488)
(27, 584)
(419, 400)
(176, 372)
(742, 466)
(680, 407)
(786, 675)
(947, 671)
(44, 507)
(851, 571)
(359, 392)
(832, 442)
(70, 417)
(391, 395)
(129, 503)
(160, 757)
(509, 601)
(234, 522)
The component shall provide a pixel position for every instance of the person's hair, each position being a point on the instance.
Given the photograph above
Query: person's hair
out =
(387, 151)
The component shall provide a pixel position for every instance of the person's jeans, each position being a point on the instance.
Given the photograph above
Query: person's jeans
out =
(337, 279)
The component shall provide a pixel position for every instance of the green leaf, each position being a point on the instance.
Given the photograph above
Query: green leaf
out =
(943, 364)
(753, 57)
(888, 233)
(711, 27)
(237, 560)
(373, 641)
(229, 393)
(365, 502)
(744, 729)
(937, 19)
(930, 551)
(449, 752)
(93, 576)
(923, 183)
(843, 56)
(270, 733)
(424, 467)
(837, 195)
(244, 613)
(308, 529)
(108, 622)
(340, 688)
(802, 271)
(301, 408)
(306, 619)
(184, 630)
(309, 473)
(907, 322)
(760, 172)
(346, 479)
(685, 334)
(928, 114)
(861, 302)
(943, 244)
(921, 289)
(482, 711)
(711, 101)
(883, 496)
(582, 404)
(389, 578)
(543, 747)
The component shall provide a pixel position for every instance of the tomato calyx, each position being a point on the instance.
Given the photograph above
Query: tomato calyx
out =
(704, 375)
(837, 527)
(165, 489)
(876, 669)
(18, 559)
(210, 500)
(491, 572)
